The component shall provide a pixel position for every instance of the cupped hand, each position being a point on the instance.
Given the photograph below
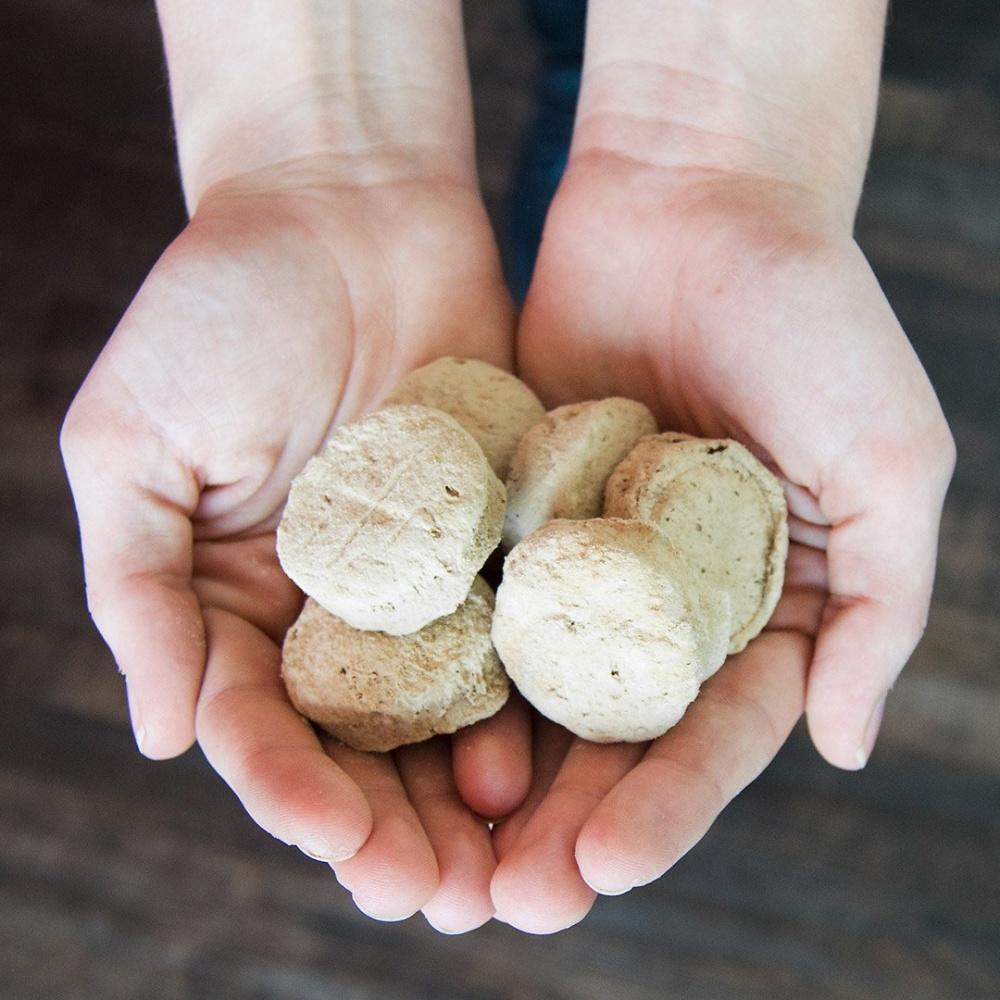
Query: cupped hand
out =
(295, 299)
(734, 308)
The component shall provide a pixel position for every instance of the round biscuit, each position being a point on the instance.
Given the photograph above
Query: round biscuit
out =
(388, 526)
(495, 407)
(602, 628)
(376, 692)
(721, 507)
(562, 464)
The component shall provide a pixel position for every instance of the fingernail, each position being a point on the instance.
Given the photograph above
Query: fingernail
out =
(864, 752)
(320, 849)
(454, 931)
(609, 890)
(385, 918)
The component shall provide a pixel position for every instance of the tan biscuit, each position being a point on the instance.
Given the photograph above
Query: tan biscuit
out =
(495, 407)
(376, 692)
(602, 628)
(721, 507)
(562, 463)
(388, 526)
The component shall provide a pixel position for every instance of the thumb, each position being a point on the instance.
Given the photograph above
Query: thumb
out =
(133, 501)
(881, 562)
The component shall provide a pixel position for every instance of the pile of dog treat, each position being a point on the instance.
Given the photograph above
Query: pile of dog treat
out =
(635, 562)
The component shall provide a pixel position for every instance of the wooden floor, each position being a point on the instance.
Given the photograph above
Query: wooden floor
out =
(120, 878)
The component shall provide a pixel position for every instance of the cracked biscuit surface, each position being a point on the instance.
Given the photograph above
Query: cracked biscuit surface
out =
(495, 407)
(375, 691)
(721, 507)
(604, 630)
(388, 526)
(562, 464)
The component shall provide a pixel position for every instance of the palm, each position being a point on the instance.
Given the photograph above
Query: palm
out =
(282, 309)
(275, 314)
(728, 319)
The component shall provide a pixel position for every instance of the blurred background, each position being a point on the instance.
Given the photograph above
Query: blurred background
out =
(121, 878)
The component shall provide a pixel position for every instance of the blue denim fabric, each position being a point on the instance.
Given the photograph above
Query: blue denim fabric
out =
(560, 24)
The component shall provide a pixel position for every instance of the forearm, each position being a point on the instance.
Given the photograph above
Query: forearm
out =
(373, 87)
(768, 89)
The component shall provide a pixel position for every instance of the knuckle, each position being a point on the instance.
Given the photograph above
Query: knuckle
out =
(911, 464)
(914, 623)
(906, 607)
(72, 432)
(217, 708)
(96, 603)
(934, 453)
(577, 790)
(693, 776)
(947, 450)
(446, 798)
(82, 429)
(101, 602)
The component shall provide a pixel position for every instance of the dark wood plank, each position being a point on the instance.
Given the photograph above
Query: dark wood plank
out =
(183, 895)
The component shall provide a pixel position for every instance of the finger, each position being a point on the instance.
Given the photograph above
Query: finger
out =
(802, 505)
(460, 840)
(814, 535)
(550, 744)
(804, 593)
(133, 500)
(244, 577)
(267, 753)
(395, 873)
(806, 567)
(799, 610)
(537, 886)
(664, 805)
(881, 568)
(492, 760)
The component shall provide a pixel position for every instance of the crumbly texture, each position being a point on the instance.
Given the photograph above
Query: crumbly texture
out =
(603, 628)
(562, 464)
(495, 407)
(721, 507)
(388, 526)
(376, 692)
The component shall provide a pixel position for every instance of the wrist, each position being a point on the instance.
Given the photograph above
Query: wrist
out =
(373, 90)
(774, 94)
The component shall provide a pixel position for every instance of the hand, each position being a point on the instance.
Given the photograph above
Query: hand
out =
(295, 299)
(724, 304)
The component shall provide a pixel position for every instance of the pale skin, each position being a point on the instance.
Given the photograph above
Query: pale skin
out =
(698, 257)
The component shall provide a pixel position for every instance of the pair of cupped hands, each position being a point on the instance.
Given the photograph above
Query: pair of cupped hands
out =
(295, 299)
